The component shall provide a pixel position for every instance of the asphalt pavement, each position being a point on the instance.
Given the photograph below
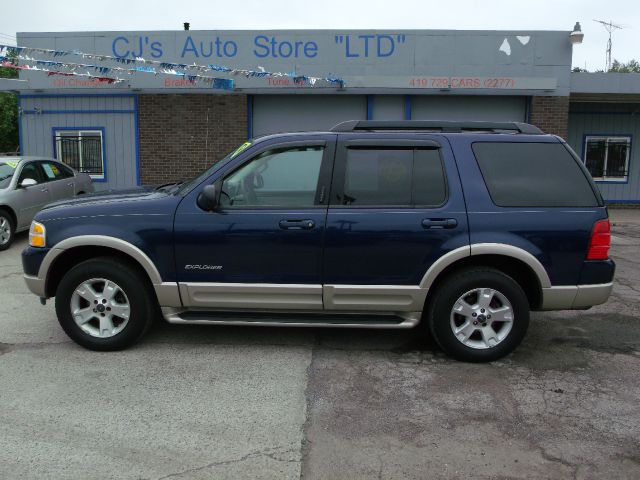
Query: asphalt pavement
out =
(283, 403)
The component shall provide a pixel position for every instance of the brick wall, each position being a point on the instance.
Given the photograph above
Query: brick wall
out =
(176, 140)
(551, 114)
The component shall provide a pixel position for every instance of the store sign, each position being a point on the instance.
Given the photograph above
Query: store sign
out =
(404, 60)
(259, 46)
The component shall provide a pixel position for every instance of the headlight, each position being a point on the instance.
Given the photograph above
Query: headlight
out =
(37, 235)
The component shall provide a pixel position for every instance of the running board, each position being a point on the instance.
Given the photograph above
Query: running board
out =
(291, 319)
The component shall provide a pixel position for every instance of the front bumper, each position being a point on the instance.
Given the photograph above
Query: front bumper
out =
(36, 285)
(32, 259)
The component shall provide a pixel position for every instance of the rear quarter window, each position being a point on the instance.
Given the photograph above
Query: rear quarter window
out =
(520, 174)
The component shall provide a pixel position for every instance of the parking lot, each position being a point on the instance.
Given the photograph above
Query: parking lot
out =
(222, 402)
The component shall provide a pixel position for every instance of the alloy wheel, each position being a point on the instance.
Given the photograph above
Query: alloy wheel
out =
(481, 318)
(5, 230)
(100, 307)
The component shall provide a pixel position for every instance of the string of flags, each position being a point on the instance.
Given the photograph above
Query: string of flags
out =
(112, 74)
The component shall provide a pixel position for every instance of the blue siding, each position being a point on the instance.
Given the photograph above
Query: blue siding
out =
(115, 114)
(609, 119)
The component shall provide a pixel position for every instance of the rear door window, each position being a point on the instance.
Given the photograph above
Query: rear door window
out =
(521, 174)
(51, 171)
(393, 177)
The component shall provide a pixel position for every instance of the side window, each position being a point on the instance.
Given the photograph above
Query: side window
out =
(275, 178)
(52, 171)
(65, 171)
(520, 174)
(388, 177)
(429, 186)
(32, 171)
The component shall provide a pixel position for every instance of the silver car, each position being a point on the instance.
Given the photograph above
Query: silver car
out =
(29, 183)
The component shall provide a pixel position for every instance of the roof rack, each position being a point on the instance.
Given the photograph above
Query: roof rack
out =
(444, 126)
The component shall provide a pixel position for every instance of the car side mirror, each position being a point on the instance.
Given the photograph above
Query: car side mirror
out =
(208, 198)
(28, 182)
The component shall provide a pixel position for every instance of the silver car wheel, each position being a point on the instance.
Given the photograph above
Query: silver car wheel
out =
(100, 307)
(5, 230)
(481, 318)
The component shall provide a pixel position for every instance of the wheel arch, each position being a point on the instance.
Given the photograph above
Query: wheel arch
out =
(12, 213)
(71, 251)
(519, 264)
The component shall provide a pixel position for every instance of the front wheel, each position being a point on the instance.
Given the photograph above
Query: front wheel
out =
(479, 315)
(7, 230)
(104, 304)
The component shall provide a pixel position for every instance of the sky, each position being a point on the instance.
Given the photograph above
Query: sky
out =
(74, 15)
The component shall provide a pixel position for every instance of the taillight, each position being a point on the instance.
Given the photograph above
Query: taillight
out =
(600, 241)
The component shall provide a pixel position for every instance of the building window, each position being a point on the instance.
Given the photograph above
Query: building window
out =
(607, 157)
(82, 150)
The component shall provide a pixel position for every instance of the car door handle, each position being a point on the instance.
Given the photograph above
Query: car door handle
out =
(44, 190)
(439, 223)
(70, 184)
(297, 224)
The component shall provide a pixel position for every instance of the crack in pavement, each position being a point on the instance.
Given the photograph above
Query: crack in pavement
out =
(305, 444)
(11, 347)
(267, 452)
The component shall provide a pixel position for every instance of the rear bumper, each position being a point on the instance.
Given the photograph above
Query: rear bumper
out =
(575, 296)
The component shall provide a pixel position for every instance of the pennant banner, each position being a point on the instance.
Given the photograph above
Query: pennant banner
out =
(106, 74)
(191, 72)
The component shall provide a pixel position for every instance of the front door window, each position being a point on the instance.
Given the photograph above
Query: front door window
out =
(275, 178)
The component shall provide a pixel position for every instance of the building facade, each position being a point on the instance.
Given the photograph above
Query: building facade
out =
(155, 128)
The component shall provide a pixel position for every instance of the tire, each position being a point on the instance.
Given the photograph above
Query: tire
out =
(82, 289)
(7, 230)
(488, 297)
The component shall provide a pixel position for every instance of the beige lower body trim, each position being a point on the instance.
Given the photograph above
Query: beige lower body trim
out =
(251, 296)
(256, 296)
(35, 285)
(168, 294)
(589, 295)
(379, 298)
(575, 296)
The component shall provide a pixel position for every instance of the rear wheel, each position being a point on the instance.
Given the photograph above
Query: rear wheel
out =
(7, 230)
(104, 304)
(479, 315)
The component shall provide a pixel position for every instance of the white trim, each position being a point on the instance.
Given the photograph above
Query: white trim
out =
(443, 262)
(514, 252)
(485, 249)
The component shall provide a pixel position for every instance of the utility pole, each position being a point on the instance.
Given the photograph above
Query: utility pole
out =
(609, 27)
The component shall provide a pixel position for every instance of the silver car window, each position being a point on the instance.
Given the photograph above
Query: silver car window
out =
(31, 170)
(7, 169)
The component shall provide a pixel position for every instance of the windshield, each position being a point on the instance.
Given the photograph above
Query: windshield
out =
(184, 186)
(7, 170)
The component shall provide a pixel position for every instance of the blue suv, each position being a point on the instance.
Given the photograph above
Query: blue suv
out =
(466, 227)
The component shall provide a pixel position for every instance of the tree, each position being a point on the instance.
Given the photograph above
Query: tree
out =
(8, 113)
(632, 66)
